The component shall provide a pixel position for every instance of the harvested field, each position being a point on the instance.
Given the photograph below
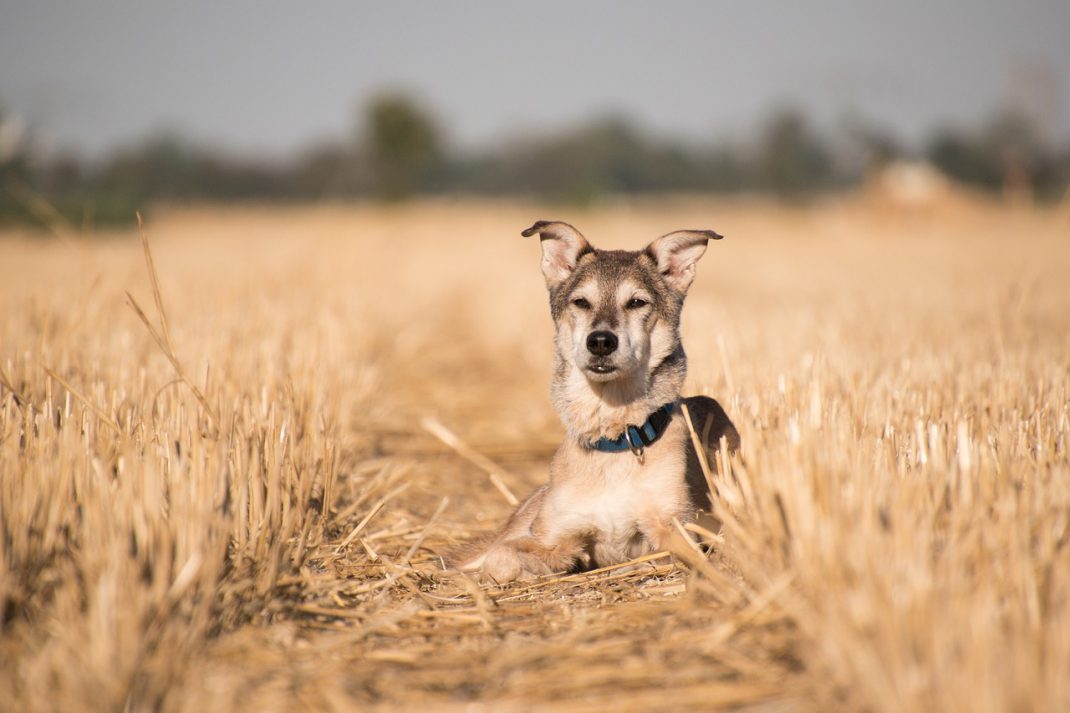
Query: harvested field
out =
(245, 506)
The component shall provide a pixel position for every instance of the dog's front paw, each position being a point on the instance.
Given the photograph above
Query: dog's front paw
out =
(524, 558)
(502, 564)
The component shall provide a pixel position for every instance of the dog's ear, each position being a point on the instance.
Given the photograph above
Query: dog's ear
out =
(562, 248)
(675, 255)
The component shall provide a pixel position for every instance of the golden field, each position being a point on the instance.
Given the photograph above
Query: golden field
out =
(245, 506)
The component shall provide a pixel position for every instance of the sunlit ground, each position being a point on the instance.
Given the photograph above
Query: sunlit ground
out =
(246, 510)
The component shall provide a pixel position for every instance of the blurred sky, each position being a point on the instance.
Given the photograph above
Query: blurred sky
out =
(268, 78)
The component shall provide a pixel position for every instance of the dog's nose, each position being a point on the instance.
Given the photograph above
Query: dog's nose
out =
(601, 343)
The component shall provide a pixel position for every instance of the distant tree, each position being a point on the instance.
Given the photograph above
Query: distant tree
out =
(403, 144)
(580, 165)
(328, 170)
(400, 151)
(723, 168)
(1007, 153)
(792, 159)
(870, 147)
(1025, 164)
(15, 169)
(604, 156)
(964, 158)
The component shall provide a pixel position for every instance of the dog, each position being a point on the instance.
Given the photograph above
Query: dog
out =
(628, 467)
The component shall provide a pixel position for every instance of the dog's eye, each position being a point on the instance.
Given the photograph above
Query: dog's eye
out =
(636, 303)
(581, 303)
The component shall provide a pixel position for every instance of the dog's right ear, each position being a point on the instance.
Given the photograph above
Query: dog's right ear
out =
(562, 248)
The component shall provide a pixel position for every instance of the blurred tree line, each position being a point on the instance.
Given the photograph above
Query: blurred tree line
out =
(400, 150)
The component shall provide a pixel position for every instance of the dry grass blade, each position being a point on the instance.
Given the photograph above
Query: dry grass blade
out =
(371, 513)
(155, 281)
(165, 343)
(495, 472)
(749, 613)
(701, 451)
(685, 547)
(20, 398)
(42, 209)
(427, 528)
(104, 417)
(589, 576)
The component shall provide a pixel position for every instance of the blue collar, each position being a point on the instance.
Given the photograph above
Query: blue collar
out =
(636, 438)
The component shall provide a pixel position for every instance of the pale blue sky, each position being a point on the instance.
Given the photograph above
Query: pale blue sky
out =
(268, 78)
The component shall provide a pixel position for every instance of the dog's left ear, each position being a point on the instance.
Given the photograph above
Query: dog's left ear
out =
(675, 255)
(562, 248)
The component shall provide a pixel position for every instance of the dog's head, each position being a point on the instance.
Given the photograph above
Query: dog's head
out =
(617, 312)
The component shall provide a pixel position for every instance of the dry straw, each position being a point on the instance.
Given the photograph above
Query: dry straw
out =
(894, 536)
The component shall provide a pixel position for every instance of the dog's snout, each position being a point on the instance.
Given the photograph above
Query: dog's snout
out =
(601, 343)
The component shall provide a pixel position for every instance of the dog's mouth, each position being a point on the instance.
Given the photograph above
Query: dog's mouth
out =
(601, 368)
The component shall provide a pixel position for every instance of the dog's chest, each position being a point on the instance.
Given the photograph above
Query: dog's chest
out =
(615, 494)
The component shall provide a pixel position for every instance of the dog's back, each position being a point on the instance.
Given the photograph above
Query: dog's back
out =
(711, 424)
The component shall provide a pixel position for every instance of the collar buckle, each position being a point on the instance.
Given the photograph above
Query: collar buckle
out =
(634, 437)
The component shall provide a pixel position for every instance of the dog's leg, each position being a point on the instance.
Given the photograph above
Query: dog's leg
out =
(658, 531)
(527, 557)
(522, 548)
(472, 557)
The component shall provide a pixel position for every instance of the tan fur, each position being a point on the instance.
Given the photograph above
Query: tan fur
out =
(603, 508)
